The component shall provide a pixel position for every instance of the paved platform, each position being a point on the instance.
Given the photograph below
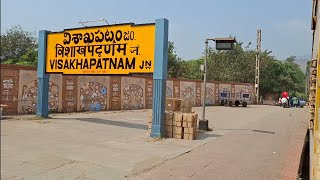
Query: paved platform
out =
(116, 145)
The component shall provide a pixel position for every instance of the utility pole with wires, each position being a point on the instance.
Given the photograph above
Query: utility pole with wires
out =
(93, 21)
(257, 69)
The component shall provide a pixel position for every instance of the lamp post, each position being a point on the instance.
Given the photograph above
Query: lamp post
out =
(221, 44)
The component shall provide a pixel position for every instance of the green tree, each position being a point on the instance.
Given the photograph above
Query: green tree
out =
(191, 69)
(18, 47)
(175, 63)
(236, 65)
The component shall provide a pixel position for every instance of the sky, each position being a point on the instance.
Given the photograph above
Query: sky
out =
(285, 24)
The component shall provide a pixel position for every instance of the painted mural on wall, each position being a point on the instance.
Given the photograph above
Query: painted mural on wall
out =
(28, 83)
(93, 93)
(198, 94)
(149, 93)
(176, 88)
(210, 95)
(69, 93)
(188, 91)
(93, 97)
(239, 90)
(249, 89)
(7, 89)
(55, 94)
(169, 89)
(29, 92)
(133, 90)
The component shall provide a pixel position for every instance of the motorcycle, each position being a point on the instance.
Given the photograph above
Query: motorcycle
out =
(284, 102)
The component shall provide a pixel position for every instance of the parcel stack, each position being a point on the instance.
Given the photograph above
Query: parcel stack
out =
(179, 120)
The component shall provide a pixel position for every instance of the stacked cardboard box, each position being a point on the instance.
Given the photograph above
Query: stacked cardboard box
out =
(168, 124)
(189, 125)
(186, 106)
(178, 118)
(186, 125)
(179, 121)
(173, 104)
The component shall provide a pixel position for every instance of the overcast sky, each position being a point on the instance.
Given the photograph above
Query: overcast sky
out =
(285, 24)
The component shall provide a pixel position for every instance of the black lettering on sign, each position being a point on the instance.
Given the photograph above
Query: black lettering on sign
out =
(148, 64)
(113, 63)
(69, 50)
(66, 65)
(67, 38)
(72, 64)
(105, 62)
(129, 35)
(126, 36)
(122, 47)
(91, 49)
(109, 48)
(109, 36)
(76, 38)
(145, 64)
(88, 38)
(92, 62)
(118, 35)
(59, 50)
(60, 64)
(135, 49)
(101, 38)
(132, 35)
(120, 65)
(79, 64)
(99, 65)
(53, 64)
(85, 64)
(99, 50)
(130, 65)
(142, 65)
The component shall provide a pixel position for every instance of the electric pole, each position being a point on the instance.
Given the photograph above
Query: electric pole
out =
(257, 72)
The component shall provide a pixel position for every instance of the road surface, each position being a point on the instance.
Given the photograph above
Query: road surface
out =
(257, 142)
(260, 142)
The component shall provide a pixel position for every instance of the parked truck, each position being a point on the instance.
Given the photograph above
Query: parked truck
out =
(227, 100)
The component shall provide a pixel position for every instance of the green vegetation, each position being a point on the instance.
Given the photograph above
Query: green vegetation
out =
(238, 65)
(20, 47)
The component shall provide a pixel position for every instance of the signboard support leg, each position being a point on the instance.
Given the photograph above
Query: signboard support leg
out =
(159, 77)
(43, 78)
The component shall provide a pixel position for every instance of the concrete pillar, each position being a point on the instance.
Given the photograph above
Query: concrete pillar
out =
(159, 77)
(43, 78)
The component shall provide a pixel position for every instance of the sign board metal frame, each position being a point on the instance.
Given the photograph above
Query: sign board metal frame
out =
(159, 75)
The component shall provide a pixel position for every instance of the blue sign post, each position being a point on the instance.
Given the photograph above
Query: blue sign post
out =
(43, 77)
(159, 77)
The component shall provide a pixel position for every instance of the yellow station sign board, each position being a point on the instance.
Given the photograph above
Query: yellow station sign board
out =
(115, 49)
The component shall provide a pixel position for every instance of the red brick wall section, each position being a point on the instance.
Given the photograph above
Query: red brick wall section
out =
(19, 91)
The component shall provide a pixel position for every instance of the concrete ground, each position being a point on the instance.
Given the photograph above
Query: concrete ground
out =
(257, 142)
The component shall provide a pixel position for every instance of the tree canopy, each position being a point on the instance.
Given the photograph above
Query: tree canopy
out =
(238, 65)
(18, 47)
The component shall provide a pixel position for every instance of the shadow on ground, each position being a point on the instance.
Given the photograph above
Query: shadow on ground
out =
(114, 123)
(253, 130)
(6, 117)
(202, 136)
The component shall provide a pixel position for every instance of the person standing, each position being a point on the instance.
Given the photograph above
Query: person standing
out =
(295, 101)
